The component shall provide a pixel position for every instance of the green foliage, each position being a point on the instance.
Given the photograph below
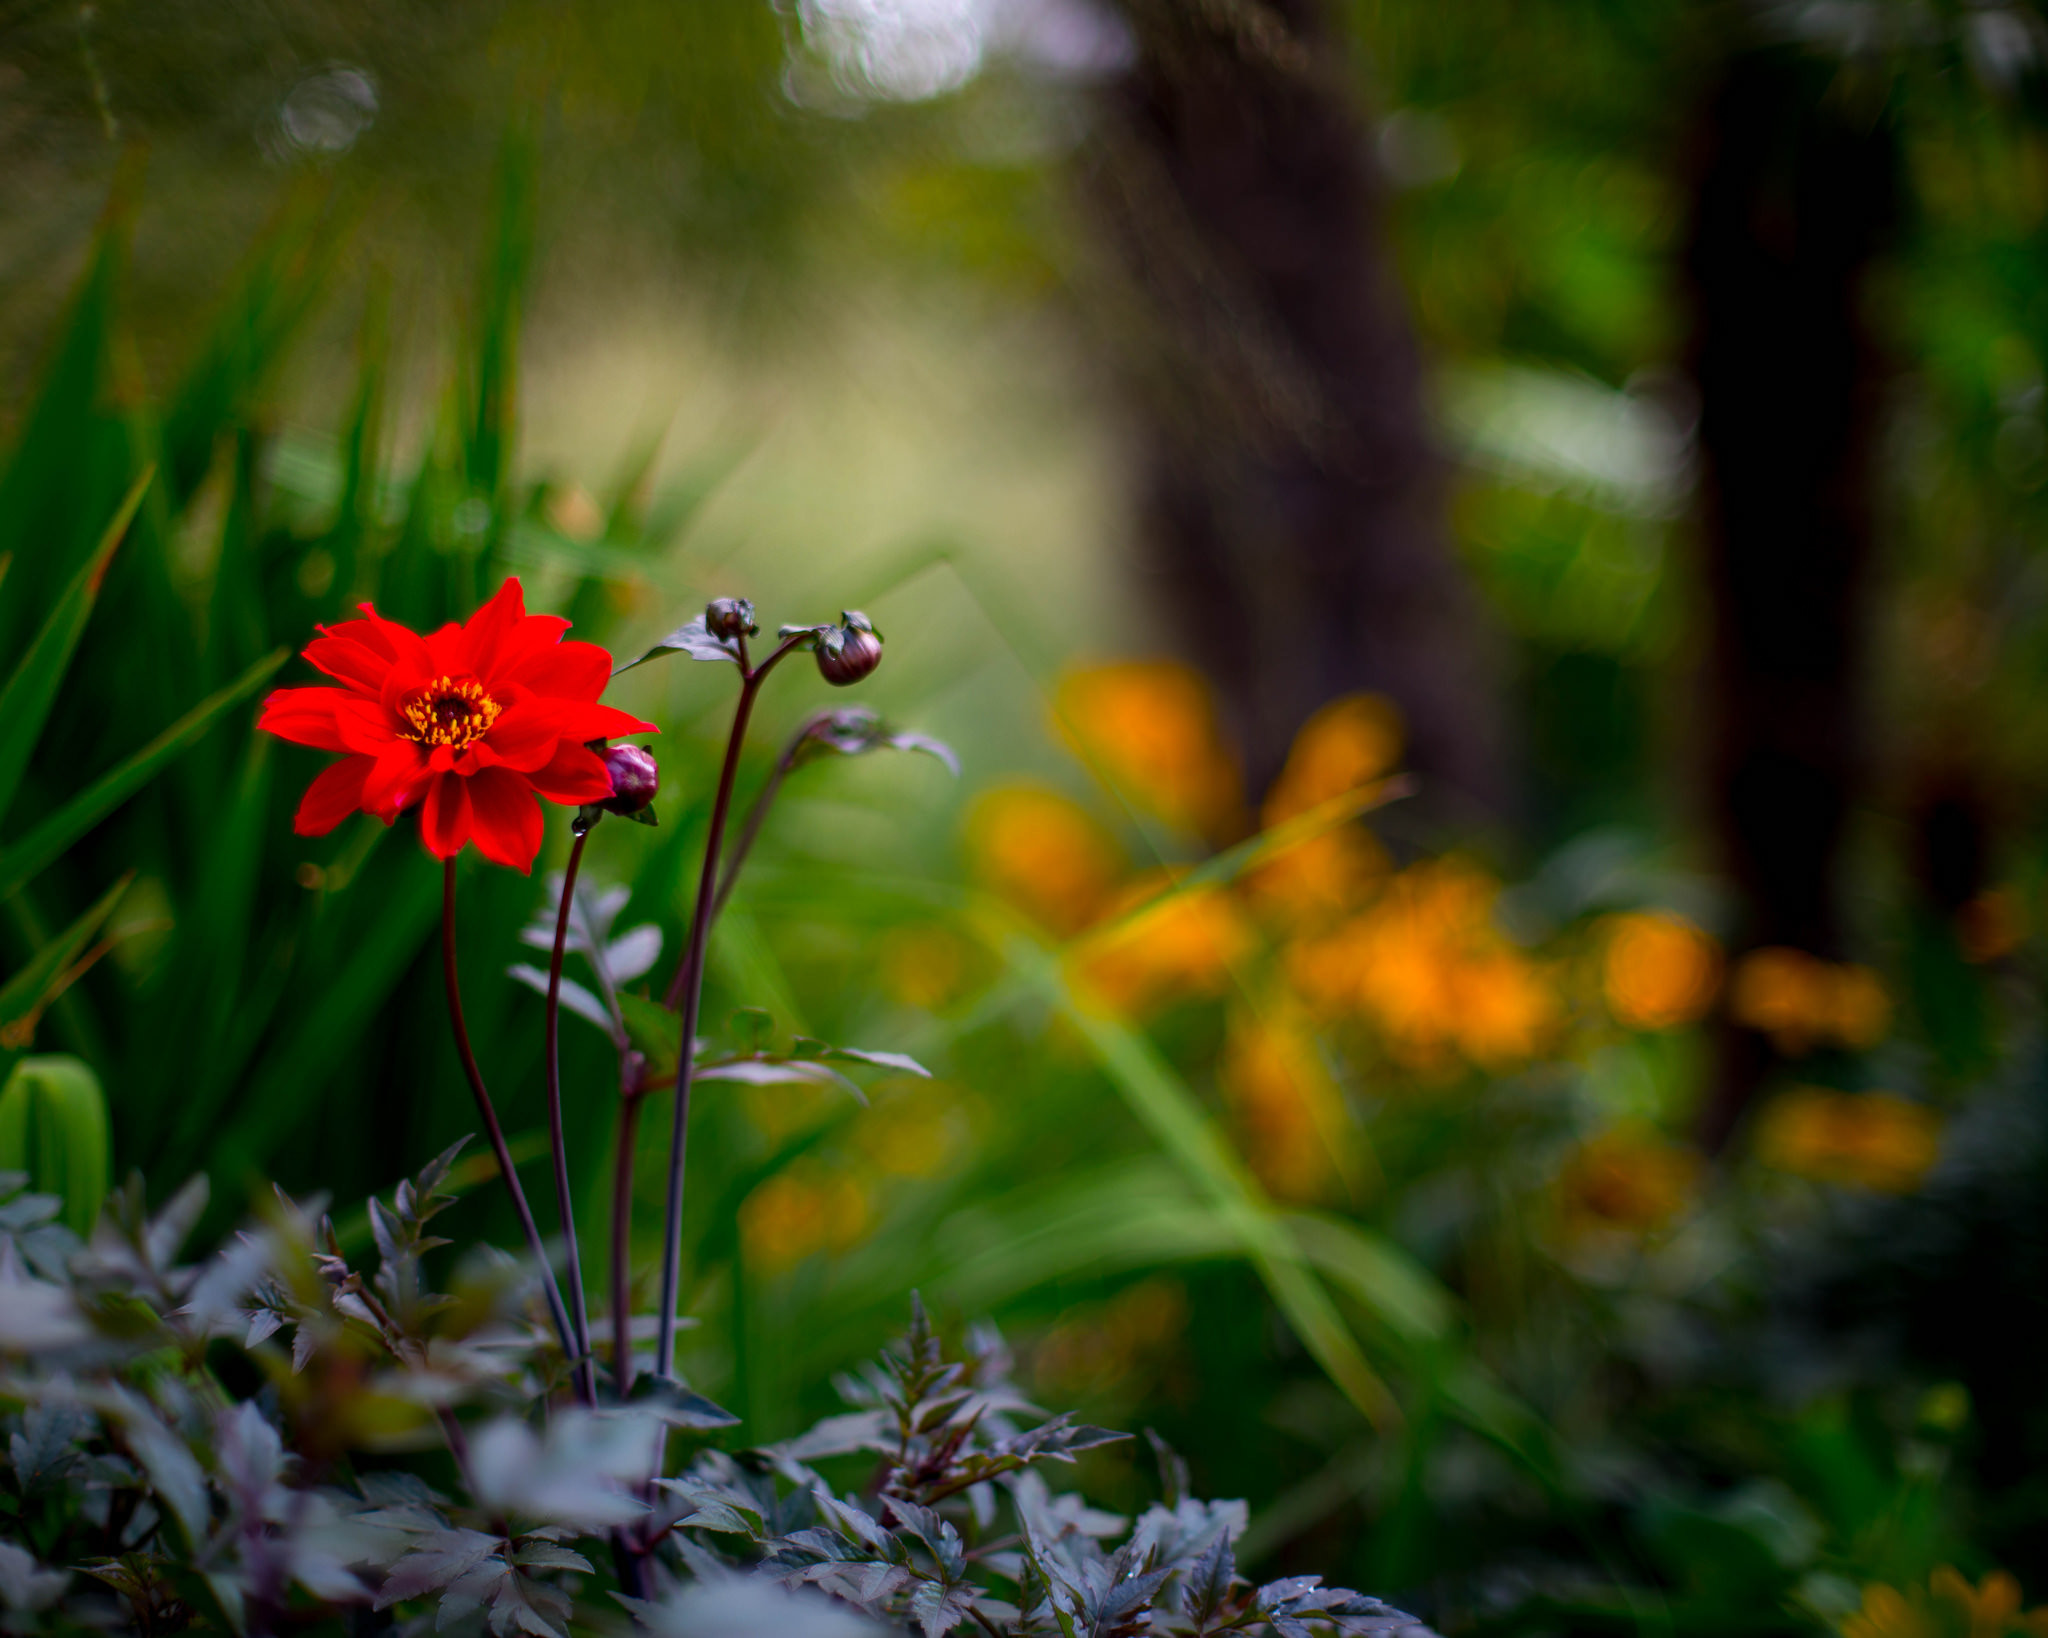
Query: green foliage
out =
(53, 1128)
(131, 1471)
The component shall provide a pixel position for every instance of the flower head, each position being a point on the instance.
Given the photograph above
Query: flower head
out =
(468, 724)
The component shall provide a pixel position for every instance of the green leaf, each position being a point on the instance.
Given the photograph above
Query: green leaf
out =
(53, 1125)
(32, 690)
(1165, 1106)
(694, 640)
(24, 995)
(49, 840)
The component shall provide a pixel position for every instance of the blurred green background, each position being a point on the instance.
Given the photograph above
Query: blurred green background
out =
(1602, 1189)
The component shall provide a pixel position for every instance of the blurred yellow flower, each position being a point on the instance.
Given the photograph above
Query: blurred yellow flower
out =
(1283, 1105)
(1629, 1178)
(1044, 853)
(805, 1208)
(1872, 1140)
(1325, 877)
(1801, 1001)
(1151, 726)
(1659, 971)
(1347, 744)
(1427, 968)
(1948, 1607)
(913, 1129)
(924, 966)
(1185, 945)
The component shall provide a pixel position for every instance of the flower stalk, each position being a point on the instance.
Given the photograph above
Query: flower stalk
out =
(487, 1112)
(579, 1312)
(686, 989)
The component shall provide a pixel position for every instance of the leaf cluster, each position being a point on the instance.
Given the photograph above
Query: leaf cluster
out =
(141, 1492)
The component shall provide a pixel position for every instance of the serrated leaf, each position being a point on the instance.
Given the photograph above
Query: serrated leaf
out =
(694, 639)
(812, 1050)
(778, 1072)
(438, 1562)
(548, 1555)
(677, 1404)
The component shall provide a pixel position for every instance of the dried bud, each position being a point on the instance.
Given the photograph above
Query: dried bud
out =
(850, 651)
(729, 617)
(635, 778)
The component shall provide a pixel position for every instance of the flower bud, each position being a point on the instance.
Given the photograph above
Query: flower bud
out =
(849, 653)
(635, 778)
(729, 617)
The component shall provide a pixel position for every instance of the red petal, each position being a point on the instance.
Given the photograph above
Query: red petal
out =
(582, 722)
(331, 798)
(347, 658)
(305, 716)
(449, 653)
(574, 775)
(532, 637)
(507, 822)
(484, 632)
(570, 671)
(394, 783)
(405, 646)
(445, 820)
(524, 737)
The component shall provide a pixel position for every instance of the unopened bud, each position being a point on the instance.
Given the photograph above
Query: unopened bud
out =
(635, 778)
(851, 652)
(729, 617)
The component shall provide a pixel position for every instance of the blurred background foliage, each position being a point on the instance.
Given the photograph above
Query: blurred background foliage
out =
(1481, 562)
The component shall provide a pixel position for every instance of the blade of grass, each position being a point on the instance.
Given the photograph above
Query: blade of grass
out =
(1169, 1111)
(30, 692)
(54, 835)
(24, 995)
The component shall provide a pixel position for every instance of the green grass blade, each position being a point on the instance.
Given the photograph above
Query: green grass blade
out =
(30, 692)
(24, 996)
(50, 839)
(285, 1088)
(1178, 1123)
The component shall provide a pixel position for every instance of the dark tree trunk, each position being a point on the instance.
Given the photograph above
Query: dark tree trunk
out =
(1796, 199)
(1290, 503)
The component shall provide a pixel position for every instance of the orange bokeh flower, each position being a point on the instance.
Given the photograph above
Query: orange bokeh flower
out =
(1346, 745)
(1870, 1140)
(1658, 970)
(1151, 726)
(1427, 968)
(1801, 1001)
(1044, 853)
(1291, 1122)
(805, 1208)
(1629, 1179)
(1162, 946)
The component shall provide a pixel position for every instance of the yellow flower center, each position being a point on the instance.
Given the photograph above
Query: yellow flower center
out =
(447, 712)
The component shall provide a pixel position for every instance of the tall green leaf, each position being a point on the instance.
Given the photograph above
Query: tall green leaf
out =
(25, 702)
(21, 861)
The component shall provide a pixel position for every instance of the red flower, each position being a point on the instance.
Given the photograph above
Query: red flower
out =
(471, 722)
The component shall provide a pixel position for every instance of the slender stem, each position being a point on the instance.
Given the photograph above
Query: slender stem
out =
(743, 844)
(579, 1313)
(622, 1242)
(686, 990)
(489, 1114)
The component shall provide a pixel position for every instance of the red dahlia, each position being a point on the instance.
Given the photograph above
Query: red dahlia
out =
(470, 723)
